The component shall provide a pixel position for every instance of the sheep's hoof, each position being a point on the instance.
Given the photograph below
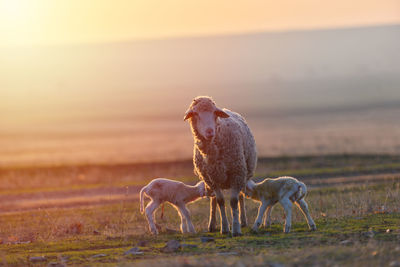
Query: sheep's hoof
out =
(224, 232)
(211, 229)
(313, 228)
(237, 234)
(243, 224)
(154, 232)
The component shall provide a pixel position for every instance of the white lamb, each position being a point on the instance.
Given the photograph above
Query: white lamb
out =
(285, 190)
(162, 190)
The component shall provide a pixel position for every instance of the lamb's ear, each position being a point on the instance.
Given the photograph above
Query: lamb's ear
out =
(188, 114)
(250, 186)
(220, 113)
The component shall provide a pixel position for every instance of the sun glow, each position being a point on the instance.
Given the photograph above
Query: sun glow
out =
(15, 18)
(27, 22)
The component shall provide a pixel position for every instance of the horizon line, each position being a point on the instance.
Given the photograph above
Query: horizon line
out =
(201, 36)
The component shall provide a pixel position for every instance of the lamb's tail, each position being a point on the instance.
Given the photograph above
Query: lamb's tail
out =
(302, 191)
(162, 211)
(142, 200)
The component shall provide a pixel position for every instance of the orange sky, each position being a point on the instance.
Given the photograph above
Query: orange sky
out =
(27, 22)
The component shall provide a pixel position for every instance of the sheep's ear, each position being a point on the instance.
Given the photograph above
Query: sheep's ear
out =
(189, 113)
(222, 114)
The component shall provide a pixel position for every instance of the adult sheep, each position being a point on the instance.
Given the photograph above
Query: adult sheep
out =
(224, 157)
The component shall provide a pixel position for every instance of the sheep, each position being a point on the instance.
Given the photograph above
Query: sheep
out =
(285, 190)
(224, 157)
(162, 190)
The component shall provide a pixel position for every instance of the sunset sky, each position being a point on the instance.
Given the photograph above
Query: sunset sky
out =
(44, 22)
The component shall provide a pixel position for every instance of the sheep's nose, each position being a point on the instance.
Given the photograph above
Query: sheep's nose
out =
(209, 133)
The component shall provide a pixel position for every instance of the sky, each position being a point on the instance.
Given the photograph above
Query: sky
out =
(48, 22)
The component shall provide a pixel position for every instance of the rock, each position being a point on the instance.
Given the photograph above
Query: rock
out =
(133, 251)
(368, 234)
(346, 242)
(276, 264)
(188, 246)
(171, 231)
(38, 259)
(227, 253)
(171, 246)
(205, 239)
(55, 264)
(20, 242)
(142, 243)
(394, 264)
(99, 255)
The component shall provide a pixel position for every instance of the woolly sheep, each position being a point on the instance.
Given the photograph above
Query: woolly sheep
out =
(285, 190)
(162, 190)
(224, 157)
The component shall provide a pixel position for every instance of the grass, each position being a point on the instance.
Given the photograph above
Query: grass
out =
(114, 229)
(337, 241)
(352, 220)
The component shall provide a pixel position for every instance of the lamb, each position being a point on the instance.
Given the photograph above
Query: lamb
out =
(224, 157)
(162, 190)
(285, 190)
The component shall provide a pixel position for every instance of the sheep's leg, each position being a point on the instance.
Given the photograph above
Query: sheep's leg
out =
(287, 206)
(236, 231)
(213, 208)
(242, 211)
(302, 204)
(261, 211)
(150, 209)
(267, 219)
(186, 216)
(221, 205)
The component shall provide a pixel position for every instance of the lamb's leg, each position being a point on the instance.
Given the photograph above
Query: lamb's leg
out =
(150, 209)
(267, 220)
(185, 215)
(287, 206)
(213, 208)
(221, 205)
(236, 231)
(261, 210)
(242, 211)
(183, 225)
(302, 204)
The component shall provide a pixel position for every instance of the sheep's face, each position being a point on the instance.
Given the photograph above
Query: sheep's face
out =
(204, 114)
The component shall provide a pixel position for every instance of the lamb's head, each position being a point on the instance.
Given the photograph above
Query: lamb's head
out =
(250, 186)
(203, 115)
(202, 188)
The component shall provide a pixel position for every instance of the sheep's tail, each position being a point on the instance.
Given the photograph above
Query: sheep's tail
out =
(142, 200)
(302, 191)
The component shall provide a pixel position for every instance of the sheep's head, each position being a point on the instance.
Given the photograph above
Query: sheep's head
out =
(203, 115)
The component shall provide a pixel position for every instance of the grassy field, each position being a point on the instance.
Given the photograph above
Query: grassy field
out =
(89, 215)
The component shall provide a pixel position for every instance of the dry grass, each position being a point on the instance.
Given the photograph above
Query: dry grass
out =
(342, 212)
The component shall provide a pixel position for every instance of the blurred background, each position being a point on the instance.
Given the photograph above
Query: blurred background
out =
(109, 81)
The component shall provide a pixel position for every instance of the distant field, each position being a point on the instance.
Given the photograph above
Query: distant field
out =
(89, 215)
(120, 139)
